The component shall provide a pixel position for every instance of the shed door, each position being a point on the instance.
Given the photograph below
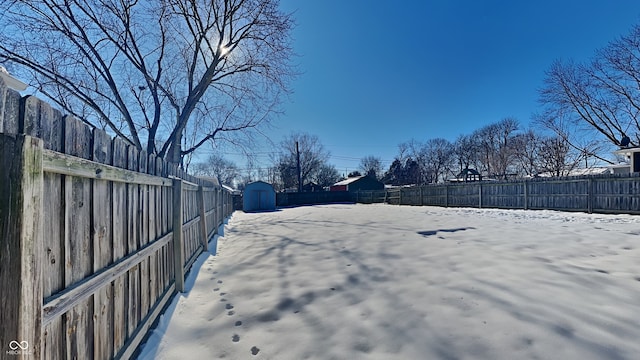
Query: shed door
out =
(259, 199)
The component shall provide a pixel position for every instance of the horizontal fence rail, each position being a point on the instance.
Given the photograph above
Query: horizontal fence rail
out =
(97, 235)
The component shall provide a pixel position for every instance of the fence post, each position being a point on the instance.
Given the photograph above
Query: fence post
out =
(178, 246)
(590, 195)
(219, 212)
(21, 236)
(421, 195)
(480, 195)
(385, 195)
(215, 212)
(400, 197)
(446, 195)
(203, 218)
(525, 184)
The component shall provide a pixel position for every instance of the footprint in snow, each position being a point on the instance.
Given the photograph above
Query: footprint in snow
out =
(235, 338)
(255, 350)
(229, 306)
(238, 323)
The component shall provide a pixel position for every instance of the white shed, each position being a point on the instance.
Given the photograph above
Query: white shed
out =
(259, 196)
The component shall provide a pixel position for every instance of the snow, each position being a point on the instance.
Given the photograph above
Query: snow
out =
(399, 282)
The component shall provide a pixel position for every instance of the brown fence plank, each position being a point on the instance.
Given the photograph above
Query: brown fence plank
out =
(79, 254)
(151, 226)
(11, 111)
(120, 244)
(102, 235)
(178, 247)
(143, 229)
(133, 221)
(21, 200)
(49, 125)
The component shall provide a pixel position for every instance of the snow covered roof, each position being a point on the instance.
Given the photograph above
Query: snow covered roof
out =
(10, 81)
(231, 190)
(581, 172)
(348, 181)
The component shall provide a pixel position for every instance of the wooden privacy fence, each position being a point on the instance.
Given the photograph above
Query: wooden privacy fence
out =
(310, 198)
(95, 237)
(619, 193)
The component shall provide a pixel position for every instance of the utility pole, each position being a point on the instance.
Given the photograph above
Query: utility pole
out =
(299, 170)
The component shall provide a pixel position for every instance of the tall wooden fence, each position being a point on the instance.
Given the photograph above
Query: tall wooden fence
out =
(95, 237)
(619, 193)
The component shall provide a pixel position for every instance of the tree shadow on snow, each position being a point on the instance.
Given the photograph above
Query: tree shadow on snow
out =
(428, 233)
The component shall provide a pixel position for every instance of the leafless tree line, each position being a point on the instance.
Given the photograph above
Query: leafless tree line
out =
(501, 150)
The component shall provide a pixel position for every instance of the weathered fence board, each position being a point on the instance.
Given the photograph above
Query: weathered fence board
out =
(21, 203)
(102, 248)
(133, 221)
(143, 229)
(178, 250)
(78, 262)
(119, 246)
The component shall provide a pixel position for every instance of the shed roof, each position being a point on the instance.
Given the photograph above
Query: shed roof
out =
(259, 182)
(348, 181)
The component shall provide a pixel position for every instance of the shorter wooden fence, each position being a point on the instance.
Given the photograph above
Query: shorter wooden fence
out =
(617, 194)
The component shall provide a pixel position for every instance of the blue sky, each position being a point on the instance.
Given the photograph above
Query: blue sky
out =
(378, 73)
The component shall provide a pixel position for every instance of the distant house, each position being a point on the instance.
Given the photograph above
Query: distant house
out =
(311, 187)
(357, 183)
(467, 175)
(231, 190)
(259, 196)
(632, 155)
(581, 172)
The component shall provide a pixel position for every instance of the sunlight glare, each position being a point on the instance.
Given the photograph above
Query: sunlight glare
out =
(223, 51)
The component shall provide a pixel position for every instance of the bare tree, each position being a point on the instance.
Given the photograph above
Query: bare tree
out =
(602, 94)
(327, 175)
(554, 155)
(496, 148)
(465, 152)
(313, 157)
(151, 71)
(218, 167)
(415, 169)
(439, 156)
(582, 140)
(371, 166)
(538, 154)
(527, 153)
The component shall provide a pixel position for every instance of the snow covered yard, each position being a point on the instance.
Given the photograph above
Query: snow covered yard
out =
(399, 282)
